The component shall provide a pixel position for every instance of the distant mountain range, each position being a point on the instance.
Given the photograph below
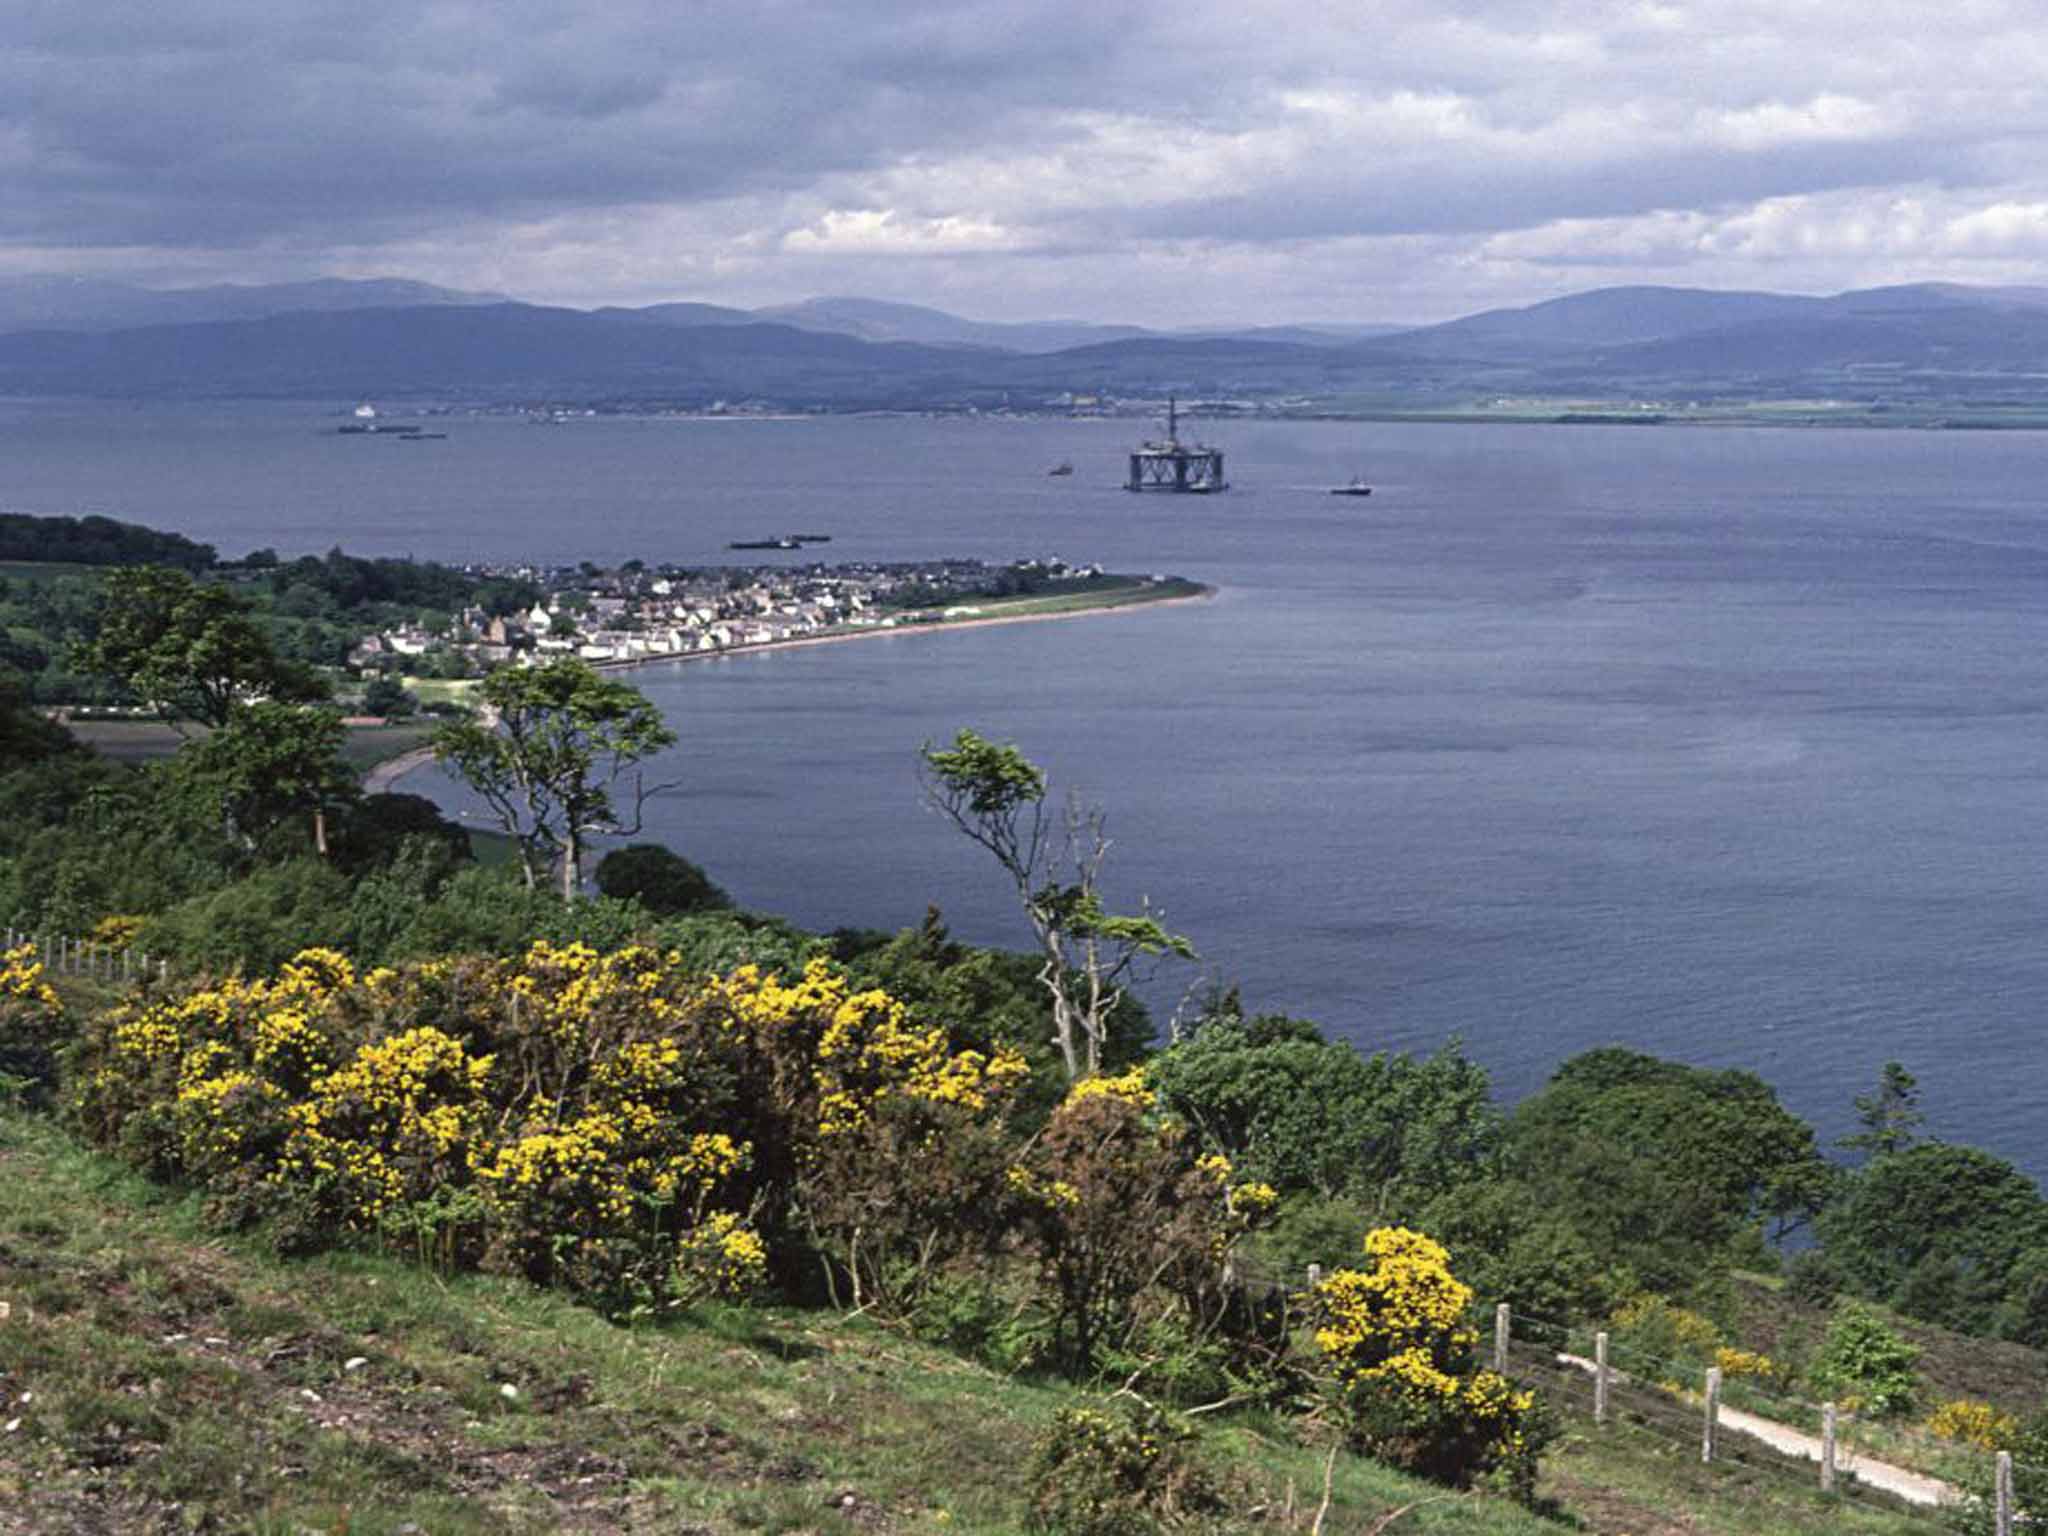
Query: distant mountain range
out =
(90, 304)
(393, 339)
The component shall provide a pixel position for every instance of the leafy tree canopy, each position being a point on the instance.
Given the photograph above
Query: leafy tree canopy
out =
(269, 762)
(1889, 1114)
(1308, 1114)
(661, 880)
(554, 742)
(190, 650)
(1940, 1229)
(97, 541)
(1721, 1135)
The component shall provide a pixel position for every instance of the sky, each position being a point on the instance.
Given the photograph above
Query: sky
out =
(1208, 162)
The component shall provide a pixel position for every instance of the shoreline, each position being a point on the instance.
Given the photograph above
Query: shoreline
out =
(384, 777)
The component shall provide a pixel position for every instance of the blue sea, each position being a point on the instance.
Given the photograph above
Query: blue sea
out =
(1728, 745)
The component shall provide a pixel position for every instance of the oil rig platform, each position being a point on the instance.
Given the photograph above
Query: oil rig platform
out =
(1187, 468)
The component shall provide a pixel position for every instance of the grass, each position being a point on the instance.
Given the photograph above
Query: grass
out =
(367, 745)
(442, 690)
(1105, 592)
(164, 1377)
(137, 741)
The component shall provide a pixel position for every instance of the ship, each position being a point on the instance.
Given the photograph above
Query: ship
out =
(1061, 468)
(1357, 487)
(782, 541)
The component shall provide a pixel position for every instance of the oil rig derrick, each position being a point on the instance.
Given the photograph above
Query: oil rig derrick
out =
(1188, 468)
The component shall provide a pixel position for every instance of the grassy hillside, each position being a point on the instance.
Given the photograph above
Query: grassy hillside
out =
(158, 1378)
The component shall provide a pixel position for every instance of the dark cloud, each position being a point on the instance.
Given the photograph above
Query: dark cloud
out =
(630, 149)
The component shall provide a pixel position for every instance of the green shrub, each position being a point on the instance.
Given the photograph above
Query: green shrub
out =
(662, 881)
(1864, 1364)
(1814, 1278)
(1124, 1469)
(258, 923)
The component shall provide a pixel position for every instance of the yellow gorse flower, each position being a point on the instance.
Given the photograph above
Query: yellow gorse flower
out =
(1130, 1087)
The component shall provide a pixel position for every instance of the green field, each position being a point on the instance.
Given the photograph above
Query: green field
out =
(137, 741)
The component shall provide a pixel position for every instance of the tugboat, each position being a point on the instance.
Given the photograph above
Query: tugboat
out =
(1357, 487)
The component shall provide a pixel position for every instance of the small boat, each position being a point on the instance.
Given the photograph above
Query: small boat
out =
(1357, 487)
(1061, 468)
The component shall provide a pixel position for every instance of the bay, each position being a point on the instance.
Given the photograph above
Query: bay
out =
(1726, 745)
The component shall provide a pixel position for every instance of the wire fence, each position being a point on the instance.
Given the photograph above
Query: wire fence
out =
(64, 955)
(1734, 1422)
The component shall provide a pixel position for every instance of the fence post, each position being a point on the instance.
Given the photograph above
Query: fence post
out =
(1827, 1447)
(1315, 1276)
(1713, 1415)
(2003, 1484)
(1501, 1329)
(1600, 1377)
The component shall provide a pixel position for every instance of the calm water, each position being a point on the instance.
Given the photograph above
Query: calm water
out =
(1725, 745)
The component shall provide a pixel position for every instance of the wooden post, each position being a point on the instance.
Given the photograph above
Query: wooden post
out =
(1501, 1327)
(1713, 1415)
(1827, 1447)
(1315, 1276)
(2003, 1487)
(1600, 1377)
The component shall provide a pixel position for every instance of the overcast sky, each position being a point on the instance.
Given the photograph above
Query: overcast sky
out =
(1209, 161)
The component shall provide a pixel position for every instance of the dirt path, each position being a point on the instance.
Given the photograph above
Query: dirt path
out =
(1913, 1487)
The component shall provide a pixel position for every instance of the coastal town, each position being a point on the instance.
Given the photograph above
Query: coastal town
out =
(635, 613)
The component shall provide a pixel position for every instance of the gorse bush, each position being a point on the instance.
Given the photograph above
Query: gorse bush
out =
(621, 1125)
(31, 1025)
(1129, 1215)
(1406, 1386)
(1970, 1422)
(1124, 1469)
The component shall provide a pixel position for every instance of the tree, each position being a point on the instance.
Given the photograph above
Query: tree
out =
(1722, 1137)
(1937, 1229)
(554, 742)
(269, 761)
(661, 880)
(996, 797)
(1890, 1115)
(1308, 1114)
(189, 649)
(388, 697)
